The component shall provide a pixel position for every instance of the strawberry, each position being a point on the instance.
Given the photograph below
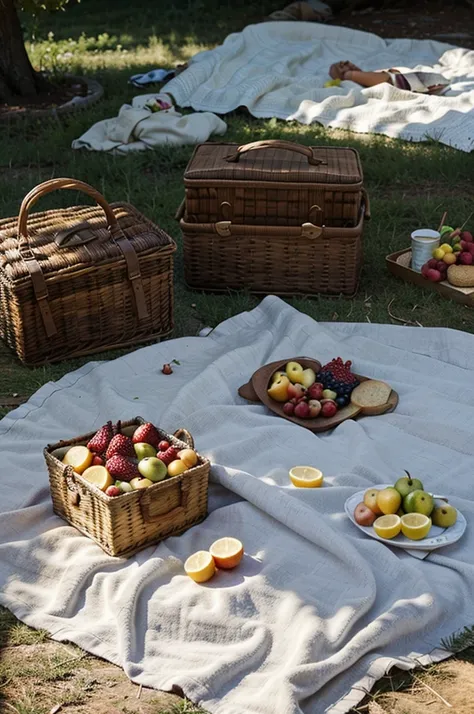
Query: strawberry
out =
(146, 434)
(121, 445)
(100, 441)
(121, 468)
(167, 456)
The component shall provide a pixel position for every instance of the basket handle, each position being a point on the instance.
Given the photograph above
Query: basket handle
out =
(147, 498)
(276, 144)
(34, 268)
(184, 435)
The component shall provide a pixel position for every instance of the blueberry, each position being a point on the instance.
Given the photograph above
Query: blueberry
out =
(342, 401)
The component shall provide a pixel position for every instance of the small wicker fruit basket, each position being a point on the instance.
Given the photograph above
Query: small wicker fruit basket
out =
(123, 525)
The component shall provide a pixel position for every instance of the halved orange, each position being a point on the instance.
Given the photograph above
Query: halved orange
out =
(227, 552)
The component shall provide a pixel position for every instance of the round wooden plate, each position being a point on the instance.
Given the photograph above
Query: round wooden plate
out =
(256, 391)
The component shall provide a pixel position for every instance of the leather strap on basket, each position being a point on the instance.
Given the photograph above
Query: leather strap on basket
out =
(276, 144)
(34, 268)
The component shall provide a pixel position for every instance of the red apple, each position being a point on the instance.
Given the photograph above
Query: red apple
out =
(363, 515)
(98, 461)
(470, 247)
(433, 263)
(466, 258)
(113, 491)
(434, 275)
(315, 407)
(467, 236)
(316, 391)
(328, 409)
(289, 408)
(441, 266)
(302, 410)
(296, 391)
(424, 269)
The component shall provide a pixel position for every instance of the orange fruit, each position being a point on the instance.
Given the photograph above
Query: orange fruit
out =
(227, 552)
(188, 457)
(99, 476)
(200, 566)
(177, 467)
(79, 457)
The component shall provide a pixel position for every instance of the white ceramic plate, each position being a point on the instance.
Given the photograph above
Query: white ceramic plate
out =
(437, 537)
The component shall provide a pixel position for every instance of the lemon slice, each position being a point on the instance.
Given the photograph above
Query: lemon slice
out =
(79, 457)
(306, 477)
(99, 476)
(388, 526)
(227, 552)
(200, 566)
(415, 525)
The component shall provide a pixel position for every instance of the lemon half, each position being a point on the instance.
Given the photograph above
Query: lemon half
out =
(306, 477)
(388, 526)
(200, 566)
(415, 525)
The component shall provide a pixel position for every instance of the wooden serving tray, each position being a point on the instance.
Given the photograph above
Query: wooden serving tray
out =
(399, 264)
(256, 391)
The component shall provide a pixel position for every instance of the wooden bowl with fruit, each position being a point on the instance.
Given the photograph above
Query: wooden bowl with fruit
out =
(317, 397)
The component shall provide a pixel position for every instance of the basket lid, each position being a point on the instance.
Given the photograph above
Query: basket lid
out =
(275, 162)
(73, 238)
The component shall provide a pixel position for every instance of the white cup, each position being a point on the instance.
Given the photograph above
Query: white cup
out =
(423, 242)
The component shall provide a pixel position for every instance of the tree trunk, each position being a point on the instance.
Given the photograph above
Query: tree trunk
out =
(17, 76)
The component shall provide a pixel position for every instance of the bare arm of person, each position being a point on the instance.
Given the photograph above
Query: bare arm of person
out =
(366, 79)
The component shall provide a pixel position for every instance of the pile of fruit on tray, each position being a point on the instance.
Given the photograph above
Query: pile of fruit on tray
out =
(117, 464)
(453, 260)
(404, 507)
(307, 395)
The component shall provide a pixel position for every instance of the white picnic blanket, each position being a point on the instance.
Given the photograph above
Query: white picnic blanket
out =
(137, 128)
(278, 69)
(317, 610)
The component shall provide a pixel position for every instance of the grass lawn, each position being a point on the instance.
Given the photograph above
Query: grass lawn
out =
(409, 186)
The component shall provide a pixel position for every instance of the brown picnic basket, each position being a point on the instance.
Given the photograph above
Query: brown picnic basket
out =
(289, 223)
(79, 280)
(123, 525)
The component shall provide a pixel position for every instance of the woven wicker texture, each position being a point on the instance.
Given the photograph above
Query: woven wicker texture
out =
(304, 260)
(273, 181)
(74, 281)
(123, 525)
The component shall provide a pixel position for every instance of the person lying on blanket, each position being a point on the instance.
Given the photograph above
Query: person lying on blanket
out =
(412, 81)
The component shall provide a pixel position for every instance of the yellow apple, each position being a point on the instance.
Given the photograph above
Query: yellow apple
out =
(279, 389)
(138, 483)
(309, 377)
(370, 500)
(277, 375)
(188, 457)
(175, 468)
(294, 372)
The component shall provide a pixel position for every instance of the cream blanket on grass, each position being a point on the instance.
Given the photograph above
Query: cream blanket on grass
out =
(278, 69)
(317, 611)
(137, 128)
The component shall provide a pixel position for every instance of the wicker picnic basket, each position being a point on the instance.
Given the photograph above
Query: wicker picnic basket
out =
(123, 525)
(273, 182)
(74, 281)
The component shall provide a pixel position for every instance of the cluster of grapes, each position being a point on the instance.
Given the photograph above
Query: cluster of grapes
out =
(337, 376)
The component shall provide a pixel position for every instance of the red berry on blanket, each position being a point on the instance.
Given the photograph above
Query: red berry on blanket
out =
(146, 434)
(122, 468)
(167, 369)
(101, 439)
(168, 456)
(164, 445)
(113, 491)
(98, 461)
(122, 445)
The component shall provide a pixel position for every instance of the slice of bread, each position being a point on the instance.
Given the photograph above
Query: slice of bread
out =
(371, 396)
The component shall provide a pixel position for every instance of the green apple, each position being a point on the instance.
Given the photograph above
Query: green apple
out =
(152, 468)
(329, 394)
(143, 450)
(309, 377)
(294, 372)
(407, 484)
(444, 516)
(418, 502)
